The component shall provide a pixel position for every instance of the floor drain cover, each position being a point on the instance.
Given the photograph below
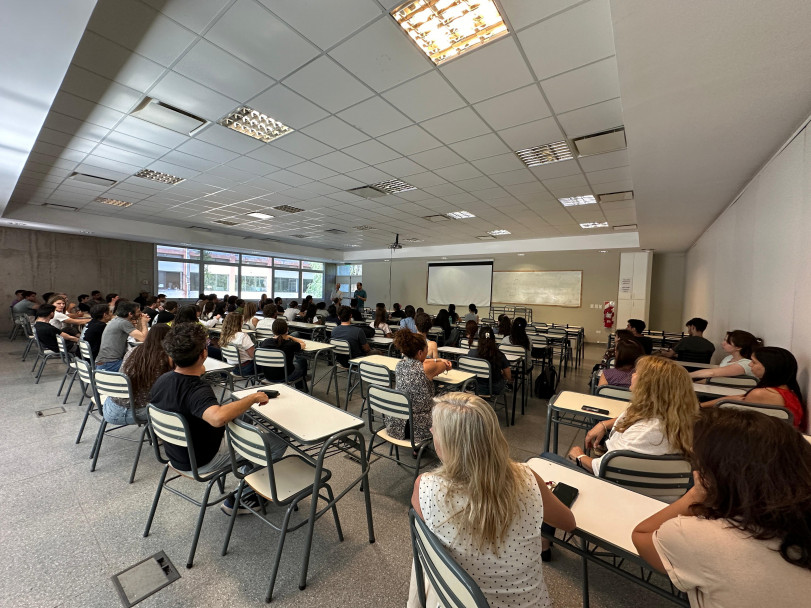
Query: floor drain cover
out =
(138, 582)
(50, 412)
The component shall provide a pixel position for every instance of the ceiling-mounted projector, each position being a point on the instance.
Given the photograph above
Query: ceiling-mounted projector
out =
(396, 244)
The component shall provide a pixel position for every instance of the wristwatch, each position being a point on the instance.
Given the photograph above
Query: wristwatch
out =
(580, 464)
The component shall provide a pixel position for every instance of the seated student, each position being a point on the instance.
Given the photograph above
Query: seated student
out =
(357, 315)
(95, 296)
(694, 347)
(112, 299)
(738, 345)
(518, 337)
(143, 366)
(424, 325)
(659, 419)
(353, 334)
(100, 315)
(291, 311)
(47, 333)
(232, 304)
(28, 305)
(62, 320)
(269, 314)
(249, 315)
(413, 375)
(83, 303)
(452, 313)
(18, 296)
(637, 326)
(472, 314)
(231, 334)
(183, 391)
(500, 372)
(279, 304)
(741, 536)
(151, 308)
(471, 333)
(776, 371)
(186, 314)
(142, 299)
(332, 315)
(408, 322)
(167, 315)
(308, 314)
(127, 322)
(290, 346)
(397, 313)
(621, 334)
(380, 322)
(627, 352)
(207, 315)
(486, 509)
(321, 311)
(504, 325)
(443, 320)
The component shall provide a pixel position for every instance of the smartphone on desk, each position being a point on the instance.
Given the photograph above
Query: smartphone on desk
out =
(565, 493)
(270, 393)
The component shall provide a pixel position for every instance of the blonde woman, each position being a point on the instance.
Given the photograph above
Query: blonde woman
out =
(659, 419)
(232, 335)
(249, 315)
(486, 509)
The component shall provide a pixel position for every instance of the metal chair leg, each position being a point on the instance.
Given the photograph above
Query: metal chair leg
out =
(233, 518)
(144, 432)
(154, 508)
(94, 453)
(282, 534)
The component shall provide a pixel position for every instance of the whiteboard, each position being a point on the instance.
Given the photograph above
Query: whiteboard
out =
(544, 288)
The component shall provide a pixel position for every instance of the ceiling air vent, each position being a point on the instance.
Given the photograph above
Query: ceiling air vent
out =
(599, 143)
(368, 192)
(335, 231)
(92, 179)
(615, 197)
(625, 227)
(170, 117)
(60, 207)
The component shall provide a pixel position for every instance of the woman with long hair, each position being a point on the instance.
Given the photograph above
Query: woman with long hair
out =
(454, 316)
(424, 325)
(741, 536)
(249, 315)
(738, 345)
(443, 320)
(186, 314)
(380, 322)
(500, 372)
(626, 354)
(232, 335)
(62, 317)
(143, 365)
(659, 420)
(486, 509)
(505, 325)
(471, 332)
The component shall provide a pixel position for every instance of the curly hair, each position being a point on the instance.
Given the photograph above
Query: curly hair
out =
(409, 343)
(185, 343)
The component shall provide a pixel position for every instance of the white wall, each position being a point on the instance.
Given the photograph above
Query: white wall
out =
(750, 270)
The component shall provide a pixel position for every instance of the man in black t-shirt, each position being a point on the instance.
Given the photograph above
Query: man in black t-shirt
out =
(99, 316)
(290, 346)
(353, 334)
(637, 326)
(47, 333)
(184, 392)
(694, 347)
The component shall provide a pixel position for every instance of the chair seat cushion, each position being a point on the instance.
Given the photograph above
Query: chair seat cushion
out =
(292, 473)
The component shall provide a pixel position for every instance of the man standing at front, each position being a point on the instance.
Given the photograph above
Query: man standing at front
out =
(360, 296)
(336, 295)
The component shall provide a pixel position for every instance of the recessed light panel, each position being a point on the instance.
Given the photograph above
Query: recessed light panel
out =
(574, 201)
(445, 29)
(393, 186)
(255, 124)
(112, 201)
(590, 225)
(288, 209)
(157, 176)
(613, 197)
(260, 216)
(543, 155)
(460, 215)
(167, 116)
(499, 232)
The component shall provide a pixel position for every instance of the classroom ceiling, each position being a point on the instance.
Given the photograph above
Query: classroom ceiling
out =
(367, 106)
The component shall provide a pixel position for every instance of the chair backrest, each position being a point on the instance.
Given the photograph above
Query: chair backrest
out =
(86, 352)
(112, 384)
(770, 410)
(85, 372)
(29, 329)
(388, 401)
(474, 365)
(454, 587)
(665, 478)
(263, 333)
(744, 381)
(171, 427)
(229, 351)
(246, 440)
(379, 333)
(269, 357)
(374, 374)
(620, 393)
(512, 349)
(341, 346)
(63, 349)
(330, 324)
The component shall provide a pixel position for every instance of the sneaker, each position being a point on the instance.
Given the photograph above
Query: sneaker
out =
(251, 500)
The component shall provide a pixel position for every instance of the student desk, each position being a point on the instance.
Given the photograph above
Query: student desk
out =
(387, 343)
(215, 365)
(696, 365)
(313, 350)
(606, 514)
(567, 408)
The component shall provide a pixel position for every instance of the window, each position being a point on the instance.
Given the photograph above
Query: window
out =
(255, 282)
(312, 284)
(282, 263)
(257, 260)
(349, 275)
(178, 279)
(220, 279)
(180, 253)
(225, 257)
(312, 265)
(285, 284)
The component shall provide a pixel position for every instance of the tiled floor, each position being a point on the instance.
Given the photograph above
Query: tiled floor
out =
(65, 531)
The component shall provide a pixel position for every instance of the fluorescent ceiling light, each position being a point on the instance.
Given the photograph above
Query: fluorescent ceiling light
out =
(543, 155)
(288, 209)
(393, 186)
(460, 215)
(112, 201)
(499, 232)
(260, 216)
(157, 176)
(486, 238)
(91, 179)
(589, 225)
(444, 29)
(573, 201)
(625, 227)
(164, 115)
(437, 218)
(255, 124)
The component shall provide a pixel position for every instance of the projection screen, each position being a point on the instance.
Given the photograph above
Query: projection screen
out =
(460, 283)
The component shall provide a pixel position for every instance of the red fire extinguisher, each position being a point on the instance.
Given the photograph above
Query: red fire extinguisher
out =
(608, 314)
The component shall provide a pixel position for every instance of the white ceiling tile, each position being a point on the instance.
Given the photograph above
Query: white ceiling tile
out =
(328, 84)
(289, 178)
(443, 190)
(319, 187)
(522, 13)
(193, 14)
(382, 55)
(343, 183)
(480, 147)
(123, 156)
(63, 139)
(618, 186)
(338, 161)
(209, 65)
(499, 164)
(569, 40)
(456, 126)
(312, 170)
(561, 168)
(95, 88)
(609, 160)
(476, 184)
(192, 97)
(609, 175)
(254, 35)
(437, 158)
(334, 21)
(189, 161)
(171, 169)
(142, 129)
(401, 167)
(514, 108)
(536, 133)
(520, 176)
(301, 145)
(375, 116)
(251, 165)
(583, 86)
(274, 156)
(94, 165)
(116, 63)
(134, 144)
(207, 151)
(140, 28)
(480, 74)
(592, 119)
(371, 152)
(335, 132)
(410, 140)
(286, 106)
(424, 180)
(534, 188)
(228, 139)
(424, 97)
(569, 181)
(458, 172)
(369, 175)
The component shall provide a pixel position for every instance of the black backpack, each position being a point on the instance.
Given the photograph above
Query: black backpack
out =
(546, 384)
